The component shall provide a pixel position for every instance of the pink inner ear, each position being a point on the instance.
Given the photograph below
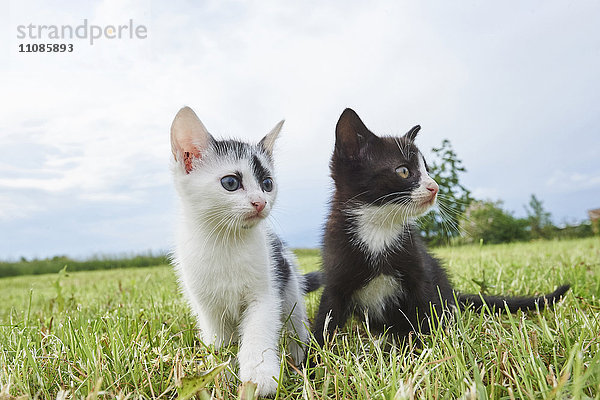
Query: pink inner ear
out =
(188, 157)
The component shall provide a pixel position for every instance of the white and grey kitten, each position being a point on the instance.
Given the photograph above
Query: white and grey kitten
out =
(240, 280)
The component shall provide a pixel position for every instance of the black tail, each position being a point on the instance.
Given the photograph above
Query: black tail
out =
(312, 281)
(499, 303)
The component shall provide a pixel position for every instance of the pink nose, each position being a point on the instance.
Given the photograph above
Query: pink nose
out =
(433, 188)
(259, 205)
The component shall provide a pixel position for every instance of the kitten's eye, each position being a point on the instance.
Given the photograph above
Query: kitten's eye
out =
(230, 183)
(403, 172)
(267, 185)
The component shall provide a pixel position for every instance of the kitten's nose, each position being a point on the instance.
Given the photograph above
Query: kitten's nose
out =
(259, 205)
(433, 187)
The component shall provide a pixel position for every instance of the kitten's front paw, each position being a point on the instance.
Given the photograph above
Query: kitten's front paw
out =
(264, 377)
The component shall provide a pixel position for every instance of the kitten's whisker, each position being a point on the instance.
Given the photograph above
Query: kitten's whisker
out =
(400, 148)
(449, 216)
(358, 204)
(221, 229)
(216, 231)
(453, 199)
(389, 195)
(355, 196)
(274, 221)
(401, 203)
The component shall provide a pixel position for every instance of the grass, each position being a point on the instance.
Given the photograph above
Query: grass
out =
(127, 333)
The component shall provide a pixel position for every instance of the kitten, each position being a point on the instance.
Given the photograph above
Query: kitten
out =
(374, 259)
(240, 280)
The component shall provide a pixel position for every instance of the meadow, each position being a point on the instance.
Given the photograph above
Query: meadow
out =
(127, 333)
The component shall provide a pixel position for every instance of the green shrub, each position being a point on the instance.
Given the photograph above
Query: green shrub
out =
(55, 264)
(488, 221)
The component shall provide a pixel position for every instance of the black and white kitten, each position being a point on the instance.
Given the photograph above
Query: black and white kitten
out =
(241, 282)
(374, 259)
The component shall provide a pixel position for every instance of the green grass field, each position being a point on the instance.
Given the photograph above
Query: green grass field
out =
(127, 333)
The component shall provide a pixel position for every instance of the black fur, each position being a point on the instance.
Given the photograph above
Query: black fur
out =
(312, 281)
(309, 282)
(259, 171)
(499, 303)
(363, 169)
(235, 148)
(241, 150)
(282, 269)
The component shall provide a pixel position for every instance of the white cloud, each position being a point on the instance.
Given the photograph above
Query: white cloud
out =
(93, 125)
(16, 207)
(562, 181)
(486, 193)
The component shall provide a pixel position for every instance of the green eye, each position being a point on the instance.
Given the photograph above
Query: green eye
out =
(403, 172)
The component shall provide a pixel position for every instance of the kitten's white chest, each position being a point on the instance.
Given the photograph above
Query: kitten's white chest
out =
(378, 228)
(226, 270)
(378, 293)
(224, 279)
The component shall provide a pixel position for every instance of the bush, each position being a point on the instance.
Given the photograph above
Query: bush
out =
(488, 221)
(540, 220)
(55, 264)
(582, 230)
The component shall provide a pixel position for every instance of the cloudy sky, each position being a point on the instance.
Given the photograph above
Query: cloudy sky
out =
(84, 136)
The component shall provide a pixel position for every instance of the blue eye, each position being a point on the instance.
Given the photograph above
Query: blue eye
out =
(230, 183)
(267, 185)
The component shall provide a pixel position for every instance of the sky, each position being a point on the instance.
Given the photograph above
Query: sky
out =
(84, 135)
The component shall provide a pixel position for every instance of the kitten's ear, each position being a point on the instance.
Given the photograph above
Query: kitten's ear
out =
(268, 142)
(189, 137)
(351, 134)
(412, 134)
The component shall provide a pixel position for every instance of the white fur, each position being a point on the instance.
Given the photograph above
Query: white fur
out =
(421, 195)
(379, 228)
(225, 270)
(375, 296)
